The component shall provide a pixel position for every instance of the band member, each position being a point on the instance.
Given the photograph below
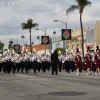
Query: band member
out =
(87, 60)
(0, 63)
(72, 64)
(97, 60)
(44, 62)
(54, 62)
(34, 61)
(78, 61)
(93, 67)
(38, 63)
(22, 61)
(26, 62)
(66, 62)
(18, 63)
(4, 63)
(48, 60)
(14, 63)
(60, 61)
(8, 62)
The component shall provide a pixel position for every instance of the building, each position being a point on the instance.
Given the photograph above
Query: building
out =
(93, 38)
(76, 41)
(89, 41)
(57, 42)
(38, 48)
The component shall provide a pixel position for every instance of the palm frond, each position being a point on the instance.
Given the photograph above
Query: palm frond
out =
(22, 36)
(72, 8)
(34, 25)
(83, 3)
(87, 3)
(38, 37)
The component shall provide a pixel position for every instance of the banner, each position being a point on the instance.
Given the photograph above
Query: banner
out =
(16, 47)
(44, 39)
(66, 35)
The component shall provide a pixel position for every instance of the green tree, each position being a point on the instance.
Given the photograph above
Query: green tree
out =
(1, 45)
(32, 43)
(63, 50)
(29, 25)
(81, 4)
(38, 37)
(54, 33)
(10, 45)
(11, 42)
(23, 38)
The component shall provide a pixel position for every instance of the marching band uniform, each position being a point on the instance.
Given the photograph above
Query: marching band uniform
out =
(44, 62)
(38, 63)
(97, 60)
(60, 61)
(14, 58)
(34, 61)
(18, 63)
(93, 67)
(8, 63)
(66, 62)
(22, 63)
(26, 63)
(0, 64)
(72, 64)
(78, 61)
(48, 62)
(4, 60)
(87, 60)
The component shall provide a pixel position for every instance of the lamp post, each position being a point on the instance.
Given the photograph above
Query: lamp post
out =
(63, 23)
(45, 36)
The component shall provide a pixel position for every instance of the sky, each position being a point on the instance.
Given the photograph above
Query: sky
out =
(43, 12)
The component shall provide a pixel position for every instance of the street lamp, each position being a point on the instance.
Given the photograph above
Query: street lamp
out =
(45, 36)
(63, 23)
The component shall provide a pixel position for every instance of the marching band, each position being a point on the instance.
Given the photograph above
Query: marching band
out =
(68, 62)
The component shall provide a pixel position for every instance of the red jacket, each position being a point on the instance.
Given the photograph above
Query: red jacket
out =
(97, 60)
(78, 61)
(87, 60)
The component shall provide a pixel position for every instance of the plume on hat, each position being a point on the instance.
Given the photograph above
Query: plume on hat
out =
(97, 47)
(88, 48)
(77, 50)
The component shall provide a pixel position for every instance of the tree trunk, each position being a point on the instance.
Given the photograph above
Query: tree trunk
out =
(38, 40)
(82, 35)
(23, 41)
(30, 42)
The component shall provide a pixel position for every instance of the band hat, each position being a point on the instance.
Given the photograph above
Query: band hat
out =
(59, 52)
(52, 51)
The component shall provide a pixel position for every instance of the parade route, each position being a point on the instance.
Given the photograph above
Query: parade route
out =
(44, 86)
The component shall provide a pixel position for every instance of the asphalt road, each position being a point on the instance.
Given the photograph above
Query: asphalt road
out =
(44, 86)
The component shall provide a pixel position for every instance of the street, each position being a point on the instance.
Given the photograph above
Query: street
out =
(44, 86)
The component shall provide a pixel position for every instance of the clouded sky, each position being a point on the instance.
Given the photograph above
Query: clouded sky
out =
(42, 12)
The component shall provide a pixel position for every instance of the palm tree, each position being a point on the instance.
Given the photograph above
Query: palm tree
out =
(1, 46)
(29, 25)
(54, 33)
(11, 42)
(81, 4)
(10, 46)
(23, 38)
(38, 37)
(32, 43)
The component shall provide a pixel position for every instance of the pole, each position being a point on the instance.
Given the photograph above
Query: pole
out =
(17, 41)
(66, 37)
(45, 42)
